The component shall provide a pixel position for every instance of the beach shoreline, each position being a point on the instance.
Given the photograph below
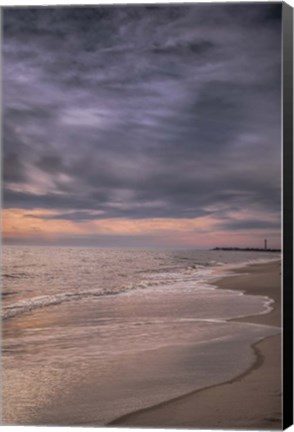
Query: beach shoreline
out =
(145, 356)
(233, 404)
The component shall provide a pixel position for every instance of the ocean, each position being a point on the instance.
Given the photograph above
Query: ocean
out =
(92, 334)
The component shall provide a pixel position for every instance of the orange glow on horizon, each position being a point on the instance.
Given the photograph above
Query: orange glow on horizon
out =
(203, 231)
(30, 223)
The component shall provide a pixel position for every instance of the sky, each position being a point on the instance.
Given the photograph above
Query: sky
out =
(142, 126)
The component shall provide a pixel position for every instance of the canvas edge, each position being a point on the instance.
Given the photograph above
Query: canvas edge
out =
(287, 118)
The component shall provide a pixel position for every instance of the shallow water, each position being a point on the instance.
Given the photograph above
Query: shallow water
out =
(93, 334)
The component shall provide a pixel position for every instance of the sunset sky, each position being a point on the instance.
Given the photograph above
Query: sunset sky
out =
(151, 126)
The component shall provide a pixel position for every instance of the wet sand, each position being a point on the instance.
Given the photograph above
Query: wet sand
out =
(251, 400)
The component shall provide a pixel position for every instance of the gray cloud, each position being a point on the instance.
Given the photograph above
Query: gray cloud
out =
(250, 225)
(156, 111)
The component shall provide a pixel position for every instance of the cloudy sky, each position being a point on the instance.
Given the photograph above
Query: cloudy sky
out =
(151, 126)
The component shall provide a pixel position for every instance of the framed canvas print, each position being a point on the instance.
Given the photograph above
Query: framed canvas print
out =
(147, 196)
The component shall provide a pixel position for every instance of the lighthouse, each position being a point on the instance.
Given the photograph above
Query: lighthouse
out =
(265, 244)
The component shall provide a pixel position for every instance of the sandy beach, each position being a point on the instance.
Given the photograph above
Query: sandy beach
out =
(251, 400)
(168, 355)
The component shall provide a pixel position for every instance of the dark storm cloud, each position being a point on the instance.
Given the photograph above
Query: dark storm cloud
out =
(13, 170)
(142, 111)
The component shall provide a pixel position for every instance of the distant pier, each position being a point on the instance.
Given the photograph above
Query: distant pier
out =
(245, 249)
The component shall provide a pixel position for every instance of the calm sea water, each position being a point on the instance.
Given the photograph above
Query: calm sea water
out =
(91, 334)
(36, 277)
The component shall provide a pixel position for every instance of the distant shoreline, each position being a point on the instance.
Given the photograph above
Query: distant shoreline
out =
(245, 249)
